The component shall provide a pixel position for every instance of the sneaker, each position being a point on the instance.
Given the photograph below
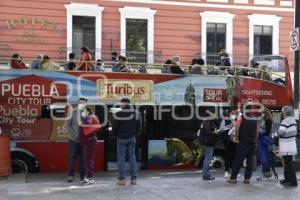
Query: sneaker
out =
(226, 175)
(267, 175)
(70, 179)
(282, 182)
(133, 182)
(208, 178)
(85, 181)
(247, 181)
(89, 181)
(121, 182)
(82, 180)
(231, 181)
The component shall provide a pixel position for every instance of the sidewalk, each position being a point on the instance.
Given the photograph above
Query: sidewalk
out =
(152, 185)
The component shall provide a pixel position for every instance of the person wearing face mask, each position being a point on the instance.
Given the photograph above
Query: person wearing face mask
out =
(246, 130)
(89, 143)
(226, 127)
(126, 125)
(75, 147)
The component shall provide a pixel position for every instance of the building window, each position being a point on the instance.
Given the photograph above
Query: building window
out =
(136, 40)
(137, 18)
(263, 34)
(82, 12)
(263, 40)
(217, 30)
(215, 41)
(83, 34)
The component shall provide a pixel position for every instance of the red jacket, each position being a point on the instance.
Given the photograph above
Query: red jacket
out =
(85, 62)
(17, 64)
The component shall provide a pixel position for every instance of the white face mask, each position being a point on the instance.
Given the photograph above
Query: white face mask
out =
(84, 114)
(233, 117)
(81, 106)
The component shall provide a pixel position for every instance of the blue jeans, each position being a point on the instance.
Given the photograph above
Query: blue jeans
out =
(128, 145)
(208, 157)
(75, 150)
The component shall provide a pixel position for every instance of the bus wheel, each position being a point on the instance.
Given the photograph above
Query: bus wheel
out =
(217, 162)
(23, 163)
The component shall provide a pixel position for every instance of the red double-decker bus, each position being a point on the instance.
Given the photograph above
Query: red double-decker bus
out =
(33, 102)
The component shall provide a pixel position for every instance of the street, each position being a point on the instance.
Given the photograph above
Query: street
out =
(156, 185)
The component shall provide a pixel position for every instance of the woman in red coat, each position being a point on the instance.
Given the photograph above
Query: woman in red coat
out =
(89, 143)
(85, 60)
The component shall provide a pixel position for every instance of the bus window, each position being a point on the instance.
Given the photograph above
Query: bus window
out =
(49, 111)
(275, 67)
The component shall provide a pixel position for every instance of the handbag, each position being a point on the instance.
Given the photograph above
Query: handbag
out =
(92, 128)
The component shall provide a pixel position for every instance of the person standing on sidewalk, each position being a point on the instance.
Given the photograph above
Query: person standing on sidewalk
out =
(226, 129)
(246, 139)
(287, 146)
(75, 147)
(126, 126)
(207, 139)
(89, 143)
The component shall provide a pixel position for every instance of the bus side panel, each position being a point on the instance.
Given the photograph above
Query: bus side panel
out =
(53, 156)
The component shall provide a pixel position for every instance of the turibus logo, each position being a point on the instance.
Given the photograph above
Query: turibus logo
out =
(115, 89)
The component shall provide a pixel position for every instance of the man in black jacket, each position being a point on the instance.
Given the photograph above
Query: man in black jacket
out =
(126, 126)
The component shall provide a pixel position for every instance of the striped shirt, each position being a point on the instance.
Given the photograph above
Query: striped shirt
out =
(288, 128)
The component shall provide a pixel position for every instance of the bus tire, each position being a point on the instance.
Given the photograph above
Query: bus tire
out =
(23, 163)
(217, 161)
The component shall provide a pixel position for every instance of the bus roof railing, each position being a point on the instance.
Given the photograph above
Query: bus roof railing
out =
(210, 69)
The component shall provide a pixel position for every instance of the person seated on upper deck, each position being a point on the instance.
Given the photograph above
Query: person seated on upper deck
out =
(122, 67)
(16, 62)
(85, 60)
(245, 71)
(167, 67)
(224, 61)
(142, 69)
(175, 68)
(114, 57)
(47, 64)
(197, 66)
(36, 63)
(191, 67)
(99, 66)
(264, 74)
(253, 72)
(70, 65)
